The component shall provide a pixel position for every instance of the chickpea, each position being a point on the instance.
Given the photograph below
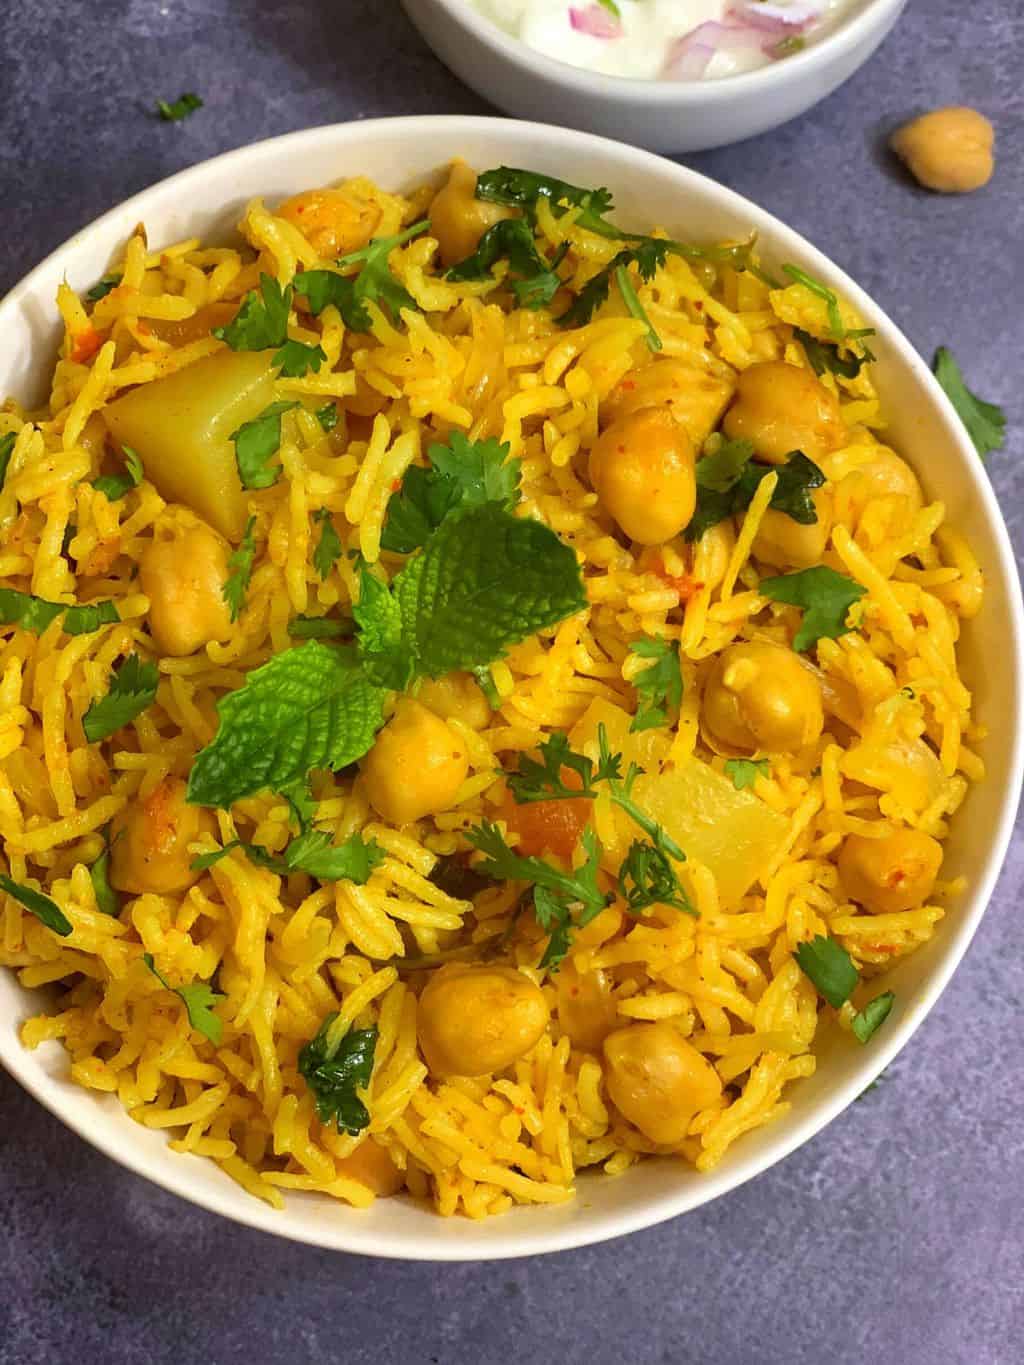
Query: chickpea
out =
(642, 469)
(695, 398)
(780, 408)
(787, 544)
(372, 1166)
(149, 841)
(586, 1007)
(458, 219)
(884, 476)
(759, 696)
(456, 696)
(949, 150)
(474, 1021)
(658, 1081)
(890, 874)
(331, 220)
(416, 766)
(183, 575)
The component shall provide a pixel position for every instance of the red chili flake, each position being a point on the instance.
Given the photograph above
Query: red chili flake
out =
(396, 485)
(699, 306)
(86, 344)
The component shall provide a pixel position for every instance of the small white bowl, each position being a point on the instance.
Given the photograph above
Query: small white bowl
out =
(207, 201)
(665, 116)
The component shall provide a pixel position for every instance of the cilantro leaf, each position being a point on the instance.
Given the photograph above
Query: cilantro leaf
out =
(256, 442)
(825, 596)
(728, 479)
(262, 320)
(486, 580)
(102, 288)
(835, 317)
(108, 902)
(335, 1073)
(180, 108)
(829, 968)
(48, 912)
(577, 887)
(352, 861)
(383, 648)
(485, 681)
(6, 450)
(522, 189)
(721, 471)
(132, 688)
(823, 356)
(542, 780)
(649, 255)
(240, 571)
(660, 687)
(554, 915)
(636, 309)
(328, 547)
(36, 613)
(536, 279)
(647, 878)
(114, 486)
(985, 422)
(374, 283)
(308, 707)
(198, 1000)
(871, 1018)
(296, 358)
(319, 628)
(327, 416)
(745, 771)
(463, 473)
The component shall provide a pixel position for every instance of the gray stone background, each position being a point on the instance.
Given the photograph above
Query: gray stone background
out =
(897, 1234)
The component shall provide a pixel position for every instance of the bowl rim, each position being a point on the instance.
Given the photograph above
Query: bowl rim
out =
(470, 1244)
(844, 39)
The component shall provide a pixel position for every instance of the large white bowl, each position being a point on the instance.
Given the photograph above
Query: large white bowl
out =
(666, 116)
(206, 201)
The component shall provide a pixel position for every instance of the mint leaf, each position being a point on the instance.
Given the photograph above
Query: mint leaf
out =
(825, 596)
(335, 1074)
(262, 320)
(874, 1014)
(829, 967)
(240, 571)
(660, 687)
(108, 902)
(48, 912)
(485, 581)
(383, 647)
(308, 707)
(985, 422)
(296, 358)
(114, 486)
(319, 628)
(198, 1000)
(180, 108)
(36, 613)
(745, 771)
(256, 442)
(328, 547)
(132, 688)
(462, 474)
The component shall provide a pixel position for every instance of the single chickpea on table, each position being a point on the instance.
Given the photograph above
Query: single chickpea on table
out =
(949, 150)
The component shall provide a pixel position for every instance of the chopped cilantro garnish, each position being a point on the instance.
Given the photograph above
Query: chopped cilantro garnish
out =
(463, 473)
(648, 255)
(198, 1000)
(335, 1074)
(36, 613)
(296, 358)
(485, 681)
(745, 771)
(825, 597)
(240, 571)
(721, 471)
(824, 356)
(536, 280)
(660, 687)
(102, 288)
(48, 912)
(308, 707)
(132, 688)
(728, 479)
(262, 320)
(647, 878)
(835, 317)
(374, 282)
(180, 108)
(256, 443)
(313, 853)
(985, 422)
(542, 780)
(874, 1014)
(6, 450)
(829, 968)
(327, 416)
(108, 902)
(632, 301)
(114, 486)
(328, 547)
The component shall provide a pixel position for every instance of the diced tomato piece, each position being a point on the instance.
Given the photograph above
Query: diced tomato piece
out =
(549, 826)
(87, 342)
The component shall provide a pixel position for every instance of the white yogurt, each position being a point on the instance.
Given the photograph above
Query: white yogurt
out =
(664, 39)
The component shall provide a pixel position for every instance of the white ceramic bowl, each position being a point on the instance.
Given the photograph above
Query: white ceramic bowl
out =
(666, 116)
(206, 201)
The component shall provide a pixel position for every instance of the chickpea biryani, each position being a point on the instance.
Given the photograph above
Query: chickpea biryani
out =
(477, 692)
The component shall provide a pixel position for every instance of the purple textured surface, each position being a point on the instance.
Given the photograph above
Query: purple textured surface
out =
(898, 1233)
